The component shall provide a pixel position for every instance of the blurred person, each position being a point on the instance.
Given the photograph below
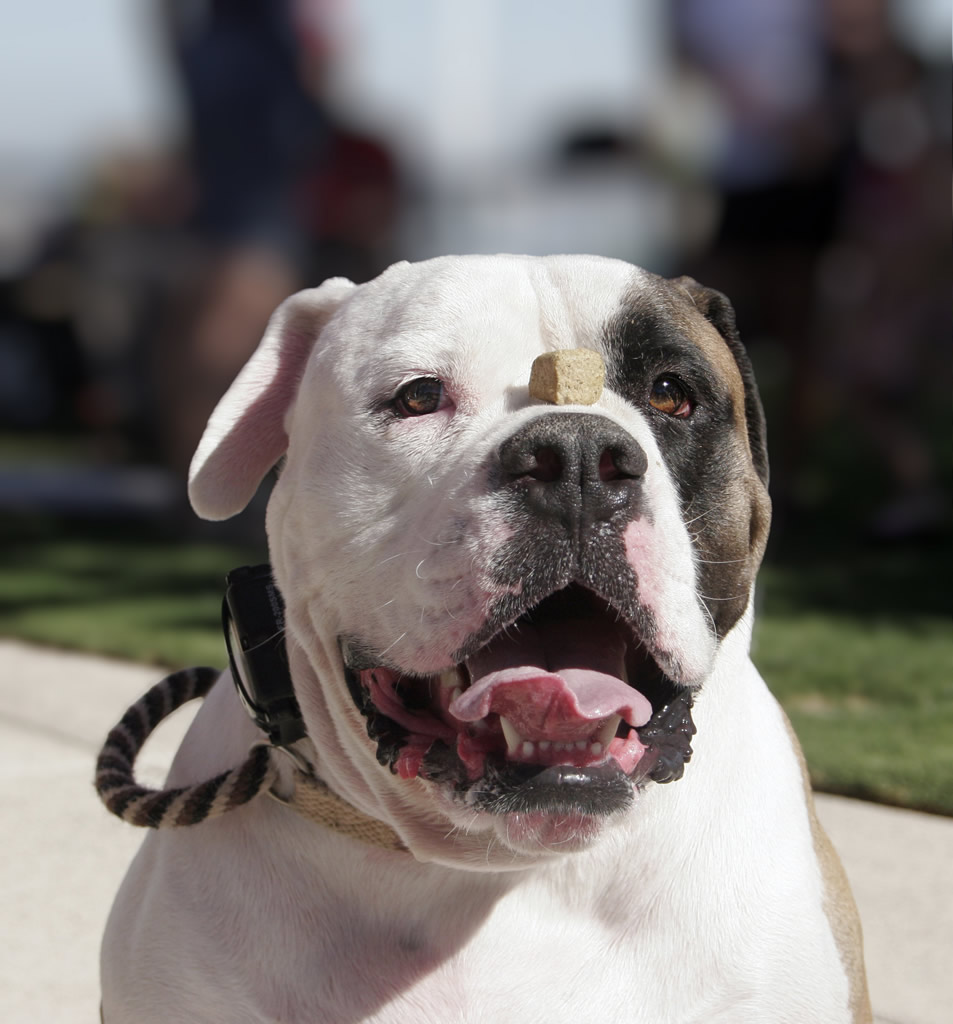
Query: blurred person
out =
(350, 202)
(75, 316)
(774, 162)
(815, 198)
(256, 129)
(883, 306)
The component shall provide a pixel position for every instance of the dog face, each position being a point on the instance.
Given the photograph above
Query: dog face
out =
(509, 604)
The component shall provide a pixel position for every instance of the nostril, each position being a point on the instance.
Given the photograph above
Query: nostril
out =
(621, 464)
(549, 465)
(544, 462)
(608, 470)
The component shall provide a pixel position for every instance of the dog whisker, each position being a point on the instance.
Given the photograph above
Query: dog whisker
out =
(707, 512)
(394, 644)
(390, 558)
(266, 640)
(711, 618)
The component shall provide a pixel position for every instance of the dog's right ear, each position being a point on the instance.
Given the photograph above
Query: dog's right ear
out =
(246, 435)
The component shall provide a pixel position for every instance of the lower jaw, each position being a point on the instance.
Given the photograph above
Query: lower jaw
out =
(526, 831)
(532, 831)
(532, 811)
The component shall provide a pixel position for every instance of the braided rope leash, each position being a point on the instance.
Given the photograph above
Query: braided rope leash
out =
(191, 805)
(186, 805)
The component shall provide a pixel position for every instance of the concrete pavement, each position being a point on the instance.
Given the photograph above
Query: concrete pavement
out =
(62, 855)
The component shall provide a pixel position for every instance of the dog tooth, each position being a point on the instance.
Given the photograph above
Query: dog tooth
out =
(606, 733)
(456, 693)
(543, 744)
(595, 748)
(450, 678)
(528, 749)
(513, 738)
(581, 744)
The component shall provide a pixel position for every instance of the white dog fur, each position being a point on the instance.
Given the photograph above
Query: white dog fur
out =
(715, 898)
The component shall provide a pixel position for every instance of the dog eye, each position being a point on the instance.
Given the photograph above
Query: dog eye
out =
(420, 397)
(670, 396)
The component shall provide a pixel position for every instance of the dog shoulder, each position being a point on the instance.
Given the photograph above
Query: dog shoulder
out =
(839, 905)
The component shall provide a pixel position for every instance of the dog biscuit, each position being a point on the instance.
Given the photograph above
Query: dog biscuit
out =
(569, 377)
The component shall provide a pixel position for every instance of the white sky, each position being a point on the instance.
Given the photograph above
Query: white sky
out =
(463, 79)
(76, 75)
(495, 77)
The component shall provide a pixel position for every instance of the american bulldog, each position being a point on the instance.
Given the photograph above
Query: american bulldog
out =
(512, 622)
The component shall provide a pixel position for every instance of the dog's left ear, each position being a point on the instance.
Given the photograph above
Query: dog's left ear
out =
(245, 435)
(719, 312)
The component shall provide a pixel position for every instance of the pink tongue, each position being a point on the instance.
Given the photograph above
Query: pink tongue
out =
(553, 680)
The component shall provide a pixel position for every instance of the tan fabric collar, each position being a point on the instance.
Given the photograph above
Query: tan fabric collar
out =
(312, 799)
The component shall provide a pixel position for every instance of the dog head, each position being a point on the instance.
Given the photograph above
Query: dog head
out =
(505, 606)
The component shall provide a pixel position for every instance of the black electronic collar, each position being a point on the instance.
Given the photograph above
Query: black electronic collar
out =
(253, 620)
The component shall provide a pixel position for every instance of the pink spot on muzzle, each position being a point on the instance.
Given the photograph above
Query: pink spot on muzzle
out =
(640, 540)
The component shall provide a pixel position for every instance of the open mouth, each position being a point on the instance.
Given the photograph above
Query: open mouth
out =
(563, 708)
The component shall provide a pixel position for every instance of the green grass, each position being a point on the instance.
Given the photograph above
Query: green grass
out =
(857, 644)
(119, 594)
(870, 699)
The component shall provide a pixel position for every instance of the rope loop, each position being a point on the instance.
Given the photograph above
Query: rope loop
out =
(191, 805)
(184, 805)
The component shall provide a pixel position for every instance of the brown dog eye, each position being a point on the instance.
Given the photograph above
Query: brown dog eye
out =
(670, 396)
(420, 397)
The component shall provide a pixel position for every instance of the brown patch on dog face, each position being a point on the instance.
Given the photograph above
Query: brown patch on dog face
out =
(692, 321)
(718, 311)
(716, 455)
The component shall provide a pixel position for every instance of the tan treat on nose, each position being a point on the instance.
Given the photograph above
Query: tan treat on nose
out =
(570, 377)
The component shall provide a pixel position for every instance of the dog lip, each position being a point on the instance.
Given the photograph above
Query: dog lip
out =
(557, 789)
(357, 655)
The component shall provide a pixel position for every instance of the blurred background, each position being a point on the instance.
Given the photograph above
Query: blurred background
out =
(170, 170)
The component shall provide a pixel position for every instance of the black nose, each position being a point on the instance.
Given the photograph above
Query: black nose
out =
(575, 468)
